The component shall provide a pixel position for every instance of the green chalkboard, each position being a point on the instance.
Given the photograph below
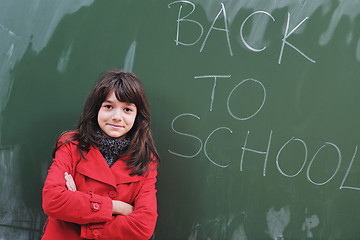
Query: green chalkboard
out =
(255, 109)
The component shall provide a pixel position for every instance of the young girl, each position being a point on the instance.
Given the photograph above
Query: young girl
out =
(101, 184)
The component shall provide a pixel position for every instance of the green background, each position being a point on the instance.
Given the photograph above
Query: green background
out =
(220, 177)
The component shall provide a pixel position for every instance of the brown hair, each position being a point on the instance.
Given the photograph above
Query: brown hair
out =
(127, 88)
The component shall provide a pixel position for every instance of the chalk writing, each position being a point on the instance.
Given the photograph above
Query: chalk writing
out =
(245, 148)
(347, 173)
(214, 86)
(286, 35)
(226, 30)
(185, 19)
(258, 110)
(242, 27)
(266, 153)
(312, 160)
(205, 151)
(281, 149)
(187, 135)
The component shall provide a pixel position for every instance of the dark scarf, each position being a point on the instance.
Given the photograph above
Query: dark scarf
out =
(111, 148)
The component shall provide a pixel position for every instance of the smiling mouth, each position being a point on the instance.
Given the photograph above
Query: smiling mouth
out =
(115, 126)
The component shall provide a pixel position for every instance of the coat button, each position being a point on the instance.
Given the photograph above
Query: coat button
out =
(91, 190)
(112, 194)
(95, 206)
(96, 232)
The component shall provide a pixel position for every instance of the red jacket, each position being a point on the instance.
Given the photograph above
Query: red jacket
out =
(87, 212)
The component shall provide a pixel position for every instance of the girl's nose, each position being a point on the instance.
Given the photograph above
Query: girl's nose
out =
(117, 115)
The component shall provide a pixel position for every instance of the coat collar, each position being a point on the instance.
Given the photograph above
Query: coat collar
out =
(95, 167)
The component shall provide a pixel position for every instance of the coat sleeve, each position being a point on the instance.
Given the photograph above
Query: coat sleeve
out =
(140, 224)
(63, 204)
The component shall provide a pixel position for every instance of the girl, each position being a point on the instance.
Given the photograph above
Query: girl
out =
(101, 184)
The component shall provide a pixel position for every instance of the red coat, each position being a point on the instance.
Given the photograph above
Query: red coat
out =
(87, 212)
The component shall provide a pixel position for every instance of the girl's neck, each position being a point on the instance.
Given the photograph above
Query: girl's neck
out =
(111, 148)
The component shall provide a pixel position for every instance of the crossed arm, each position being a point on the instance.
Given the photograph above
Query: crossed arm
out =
(119, 207)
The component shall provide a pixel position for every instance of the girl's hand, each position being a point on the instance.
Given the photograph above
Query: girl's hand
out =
(70, 183)
(122, 208)
(119, 207)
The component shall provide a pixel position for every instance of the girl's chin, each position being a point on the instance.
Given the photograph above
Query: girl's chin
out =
(114, 135)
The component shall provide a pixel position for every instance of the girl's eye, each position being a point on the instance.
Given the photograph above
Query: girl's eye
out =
(108, 106)
(127, 110)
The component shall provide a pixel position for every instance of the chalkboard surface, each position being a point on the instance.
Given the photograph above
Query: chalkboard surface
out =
(255, 109)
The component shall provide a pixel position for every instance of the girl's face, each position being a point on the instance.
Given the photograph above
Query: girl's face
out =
(116, 118)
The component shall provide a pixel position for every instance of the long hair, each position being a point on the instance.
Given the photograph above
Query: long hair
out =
(127, 88)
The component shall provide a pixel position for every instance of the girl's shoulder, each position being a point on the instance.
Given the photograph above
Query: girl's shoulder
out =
(66, 141)
(153, 164)
(67, 137)
(154, 160)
